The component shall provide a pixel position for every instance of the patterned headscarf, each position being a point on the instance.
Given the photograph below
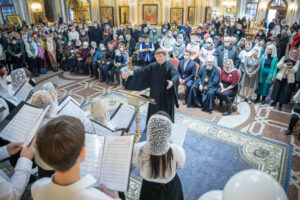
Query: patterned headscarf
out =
(41, 99)
(18, 77)
(159, 131)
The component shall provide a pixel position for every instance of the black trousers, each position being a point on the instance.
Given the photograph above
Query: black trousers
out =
(293, 121)
(227, 96)
(33, 65)
(115, 71)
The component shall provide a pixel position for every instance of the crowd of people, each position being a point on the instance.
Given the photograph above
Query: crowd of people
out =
(215, 61)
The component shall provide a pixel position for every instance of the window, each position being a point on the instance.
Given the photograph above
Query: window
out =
(278, 3)
(7, 8)
(71, 14)
(251, 9)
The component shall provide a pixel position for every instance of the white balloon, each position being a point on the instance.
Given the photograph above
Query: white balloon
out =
(212, 195)
(253, 185)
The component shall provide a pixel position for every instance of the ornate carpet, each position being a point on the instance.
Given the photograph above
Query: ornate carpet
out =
(215, 153)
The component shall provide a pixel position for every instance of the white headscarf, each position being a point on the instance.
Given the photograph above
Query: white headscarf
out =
(159, 131)
(41, 99)
(232, 67)
(100, 112)
(18, 77)
(253, 52)
(274, 50)
(50, 87)
(209, 40)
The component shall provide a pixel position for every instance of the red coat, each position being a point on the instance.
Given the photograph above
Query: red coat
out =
(296, 38)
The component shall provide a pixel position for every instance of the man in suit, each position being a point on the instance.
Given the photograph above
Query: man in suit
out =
(186, 73)
(225, 52)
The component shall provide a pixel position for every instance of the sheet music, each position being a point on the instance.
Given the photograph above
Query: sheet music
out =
(24, 91)
(72, 109)
(123, 117)
(103, 131)
(21, 127)
(178, 134)
(66, 100)
(93, 156)
(116, 161)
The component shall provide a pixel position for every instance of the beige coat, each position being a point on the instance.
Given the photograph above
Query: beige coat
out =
(282, 67)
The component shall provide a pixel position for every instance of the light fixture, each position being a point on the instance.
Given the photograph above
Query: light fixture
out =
(36, 7)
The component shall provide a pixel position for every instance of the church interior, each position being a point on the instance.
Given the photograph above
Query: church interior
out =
(215, 84)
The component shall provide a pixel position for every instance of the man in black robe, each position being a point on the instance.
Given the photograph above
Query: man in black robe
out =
(202, 93)
(160, 77)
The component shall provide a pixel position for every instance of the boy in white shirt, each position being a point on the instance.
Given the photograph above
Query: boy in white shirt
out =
(12, 188)
(61, 144)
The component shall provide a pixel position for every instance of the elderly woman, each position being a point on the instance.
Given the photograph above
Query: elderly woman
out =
(179, 48)
(228, 85)
(157, 160)
(244, 54)
(285, 78)
(194, 47)
(168, 42)
(51, 52)
(267, 72)
(207, 50)
(249, 82)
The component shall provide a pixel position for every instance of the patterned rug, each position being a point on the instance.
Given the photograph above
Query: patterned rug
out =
(215, 153)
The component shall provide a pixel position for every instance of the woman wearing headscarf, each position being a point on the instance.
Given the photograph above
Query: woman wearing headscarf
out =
(157, 160)
(285, 78)
(18, 77)
(179, 48)
(50, 87)
(51, 52)
(267, 72)
(244, 54)
(194, 47)
(100, 109)
(228, 85)
(42, 99)
(249, 82)
(242, 44)
(207, 50)
(261, 34)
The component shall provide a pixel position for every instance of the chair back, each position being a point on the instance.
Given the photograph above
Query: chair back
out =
(240, 75)
(130, 63)
(175, 62)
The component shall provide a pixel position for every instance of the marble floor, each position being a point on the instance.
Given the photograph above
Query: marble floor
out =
(257, 119)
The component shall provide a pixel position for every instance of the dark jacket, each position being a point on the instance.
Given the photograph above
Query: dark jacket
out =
(232, 54)
(189, 72)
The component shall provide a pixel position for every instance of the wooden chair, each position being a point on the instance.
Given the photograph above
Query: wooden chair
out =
(240, 76)
(129, 67)
(175, 62)
(130, 63)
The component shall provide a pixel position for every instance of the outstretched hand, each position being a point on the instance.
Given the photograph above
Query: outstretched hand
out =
(170, 84)
(125, 75)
